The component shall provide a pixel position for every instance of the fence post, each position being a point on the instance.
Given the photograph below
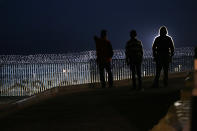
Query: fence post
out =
(194, 97)
(91, 69)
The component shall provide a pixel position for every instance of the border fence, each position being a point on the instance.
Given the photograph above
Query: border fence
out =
(29, 75)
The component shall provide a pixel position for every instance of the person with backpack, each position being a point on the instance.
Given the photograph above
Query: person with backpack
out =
(163, 50)
(134, 57)
(104, 53)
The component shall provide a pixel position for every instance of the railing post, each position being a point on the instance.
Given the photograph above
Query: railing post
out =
(91, 72)
(194, 97)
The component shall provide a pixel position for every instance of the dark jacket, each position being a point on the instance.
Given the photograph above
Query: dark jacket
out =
(163, 48)
(134, 52)
(104, 50)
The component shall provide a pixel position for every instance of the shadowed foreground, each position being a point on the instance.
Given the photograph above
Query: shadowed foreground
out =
(116, 109)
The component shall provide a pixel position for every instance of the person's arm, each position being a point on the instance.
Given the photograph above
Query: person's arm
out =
(126, 54)
(96, 45)
(142, 52)
(171, 47)
(154, 48)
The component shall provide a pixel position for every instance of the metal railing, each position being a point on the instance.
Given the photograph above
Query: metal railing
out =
(28, 75)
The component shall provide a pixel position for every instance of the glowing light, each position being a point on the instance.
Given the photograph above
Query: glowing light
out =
(65, 71)
(179, 67)
(176, 69)
(177, 103)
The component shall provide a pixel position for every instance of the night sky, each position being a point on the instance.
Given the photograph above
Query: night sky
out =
(61, 26)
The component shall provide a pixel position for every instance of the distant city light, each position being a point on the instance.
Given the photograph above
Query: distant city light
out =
(180, 67)
(176, 69)
(64, 71)
(177, 103)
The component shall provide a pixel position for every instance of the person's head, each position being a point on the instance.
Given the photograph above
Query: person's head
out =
(133, 33)
(163, 31)
(103, 33)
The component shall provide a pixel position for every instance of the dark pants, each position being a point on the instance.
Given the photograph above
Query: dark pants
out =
(107, 67)
(136, 68)
(159, 66)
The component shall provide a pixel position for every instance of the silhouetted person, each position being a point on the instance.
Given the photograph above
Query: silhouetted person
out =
(134, 56)
(163, 50)
(104, 54)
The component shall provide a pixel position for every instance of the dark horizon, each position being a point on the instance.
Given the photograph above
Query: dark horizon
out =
(56, 27)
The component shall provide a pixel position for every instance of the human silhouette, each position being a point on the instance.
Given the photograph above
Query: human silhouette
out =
(104, 54)
(163, 50)
(134, 57)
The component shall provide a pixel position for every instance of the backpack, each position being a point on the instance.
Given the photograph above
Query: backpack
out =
(134, 51)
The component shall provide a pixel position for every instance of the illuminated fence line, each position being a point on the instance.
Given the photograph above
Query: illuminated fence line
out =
(28, 79)
(121, 71)
(28, 75)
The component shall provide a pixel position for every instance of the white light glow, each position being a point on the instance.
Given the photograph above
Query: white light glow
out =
(177, 103)
(65, 71)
